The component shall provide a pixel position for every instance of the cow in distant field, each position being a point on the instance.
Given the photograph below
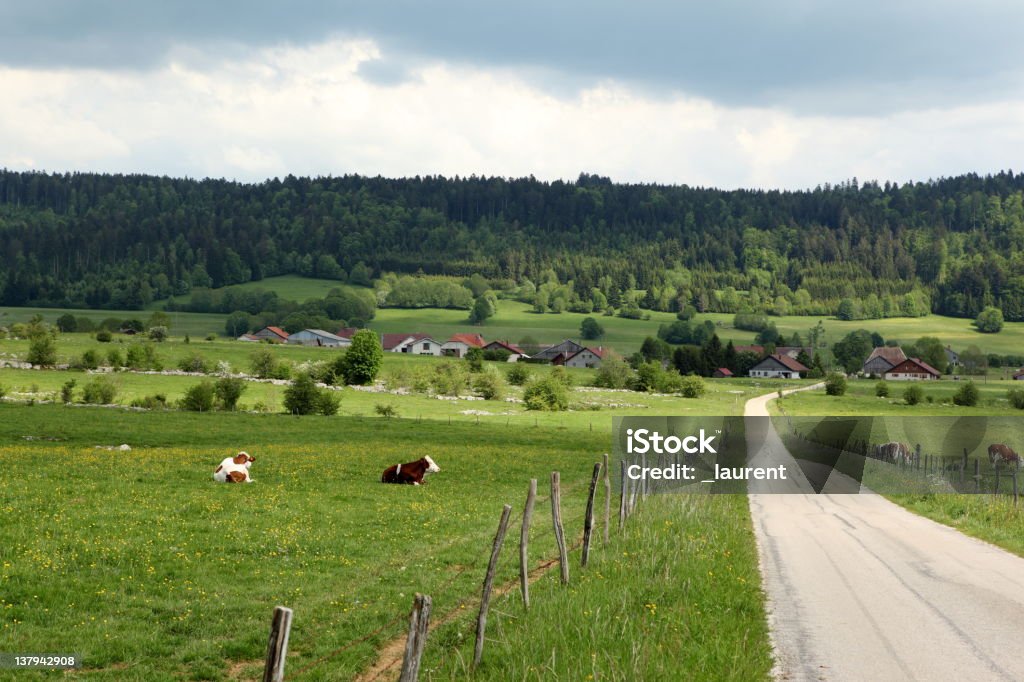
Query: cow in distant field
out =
(235, 469)
(1003, 454)
(411, 472)
(897, 453)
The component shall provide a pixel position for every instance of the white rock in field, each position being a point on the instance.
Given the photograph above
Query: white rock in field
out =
(124, 447)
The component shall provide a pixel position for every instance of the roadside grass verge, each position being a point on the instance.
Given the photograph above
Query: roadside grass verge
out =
(675, 596)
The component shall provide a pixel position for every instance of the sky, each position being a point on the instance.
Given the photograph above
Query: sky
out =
(789, 94)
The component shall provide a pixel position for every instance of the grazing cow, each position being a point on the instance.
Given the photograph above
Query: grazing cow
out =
(1003, 454)
(897, 453)
(411, 472)
(235, 469)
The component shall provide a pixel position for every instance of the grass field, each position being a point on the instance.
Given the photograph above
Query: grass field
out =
(287, 287)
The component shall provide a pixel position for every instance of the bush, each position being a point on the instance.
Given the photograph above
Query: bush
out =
(561, 375)
(328, 402)
(517, 374)
(157, 401)
(264, 365)
(1016, 397)
(989, 320)
(386, 411)
(90, 360)
(913, 394)
(449, 378)
(158, 333)
(591, 329)
(67, 392)
(199, 397)
(142, 356)
(67, 323)
(967, 395)
(114, 358)
(103, 336)
(614, 373)
(99, 391)
(361, 363)
(301, 396)
(228, 391)
(692, 387)
(882, 389)
(835, 384)
(546, 394)
(194, 363)
(475, 359)
(489, 385)
(42, 349)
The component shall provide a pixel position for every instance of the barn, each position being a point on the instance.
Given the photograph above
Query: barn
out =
(912, 369)
(413, 344)
(559, 352)
(318, 337)
(722, 373)
(777, 367)
(882, 359)
(459, 344)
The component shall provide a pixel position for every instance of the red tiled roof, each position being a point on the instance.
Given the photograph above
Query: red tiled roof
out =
(389, 341)
(280, 332)
(907, 366)
(347, 332)
(724, 371)
(894, 355)
(599, 352)
(510, 347)
(790, 363)
(471, 340)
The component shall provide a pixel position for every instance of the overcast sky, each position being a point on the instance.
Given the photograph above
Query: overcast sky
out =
(734, 93)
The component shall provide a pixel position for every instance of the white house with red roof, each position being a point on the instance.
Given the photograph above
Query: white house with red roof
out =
(272, 334)
(912, 369)
(778, 367)
(459, 344)
(586, 357)
(413, 344)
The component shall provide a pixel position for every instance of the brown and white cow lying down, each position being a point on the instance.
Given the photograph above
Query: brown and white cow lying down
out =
(235, 469)
(897, 453)
(411, 472)
(1003, 454)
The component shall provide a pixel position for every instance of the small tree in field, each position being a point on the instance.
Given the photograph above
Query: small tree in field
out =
(882, 389)
(302, 395)
(228, 391)
(591, 329)
(42, 349)
(361, 362)
(913, 394)
(967, 395)
(518, 374)
(835, 384)
(989, 320)
(199, 397)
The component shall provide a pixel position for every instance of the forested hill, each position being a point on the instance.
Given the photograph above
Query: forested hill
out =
(952, 245)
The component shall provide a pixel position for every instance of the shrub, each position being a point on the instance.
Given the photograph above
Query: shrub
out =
(264, 365)
(42, 349)
(67, 391)
(614, 373)
(517, 374)
(361, 363)
(67, 323)
(475, 359)
(84, 324)
(328, 402)
(913, 394)
(157, 401)
(489, 385)
(449, 378)
(989, 320)
(546, 394)
(228, 391)
(199, 397)
(301, 396)
(386, 411)
(561, 375)
(90, 360)
(835, 384)
(142, 356)
(882, 389)
(647, 377)
(1016, 397)
(591, 329)
(692, 386)
(103, 336)
(99, 391)
(211, 337)
(158, 333)
(497, 355)
(194, 363)
(967, 395)
(114, 358)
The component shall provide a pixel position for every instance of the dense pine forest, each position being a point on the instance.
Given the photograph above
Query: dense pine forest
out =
(951, 246)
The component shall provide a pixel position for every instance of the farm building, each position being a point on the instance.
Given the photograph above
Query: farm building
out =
(722, 373)
(248, 338)
(413, 344)
(272, 334)
(952, 357)
(318, 337)
(911, 369)
(882, 359)
(778, 367)
(585, 357)
(347, 332)
(565, 349)
(514, 351)
(459, 344)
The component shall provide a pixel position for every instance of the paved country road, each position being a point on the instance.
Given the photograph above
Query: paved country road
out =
(861, 589)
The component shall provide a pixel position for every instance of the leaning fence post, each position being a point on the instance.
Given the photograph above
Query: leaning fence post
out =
(524, 539)
(485, 597)
(556, 519)
(588, 519)
(607, 498)
(622, 495)
(277, 647)
(419, 624)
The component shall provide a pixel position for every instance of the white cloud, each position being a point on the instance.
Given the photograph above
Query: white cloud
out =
(307, 110)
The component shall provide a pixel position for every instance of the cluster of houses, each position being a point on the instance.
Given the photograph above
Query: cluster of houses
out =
(567, 353)
(887, 362)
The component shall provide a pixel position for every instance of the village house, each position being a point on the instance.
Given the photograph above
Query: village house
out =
(589, 358)
(272, 334)
(722, 373)
(564, 350)
(952, 357)
(459, 344)
(249, 338)
(882, 359)
(911, 369)
(318, 337)
(515, 353)
(778, 367)
(413, 344)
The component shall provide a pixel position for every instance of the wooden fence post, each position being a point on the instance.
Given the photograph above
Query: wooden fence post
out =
(556, 519)
(917, 457)
(607, 498)
(588, 519)
(977, 475)
(622, 495)
(996, 490)
(965, 458)
(419, 623)
(277, 647)
(1014, 486)
(485, 597)
(524, 539)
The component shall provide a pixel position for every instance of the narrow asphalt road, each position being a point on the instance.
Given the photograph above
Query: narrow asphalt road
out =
(861, 589)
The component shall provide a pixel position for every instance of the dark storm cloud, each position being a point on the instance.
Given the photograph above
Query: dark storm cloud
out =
(804, 54)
